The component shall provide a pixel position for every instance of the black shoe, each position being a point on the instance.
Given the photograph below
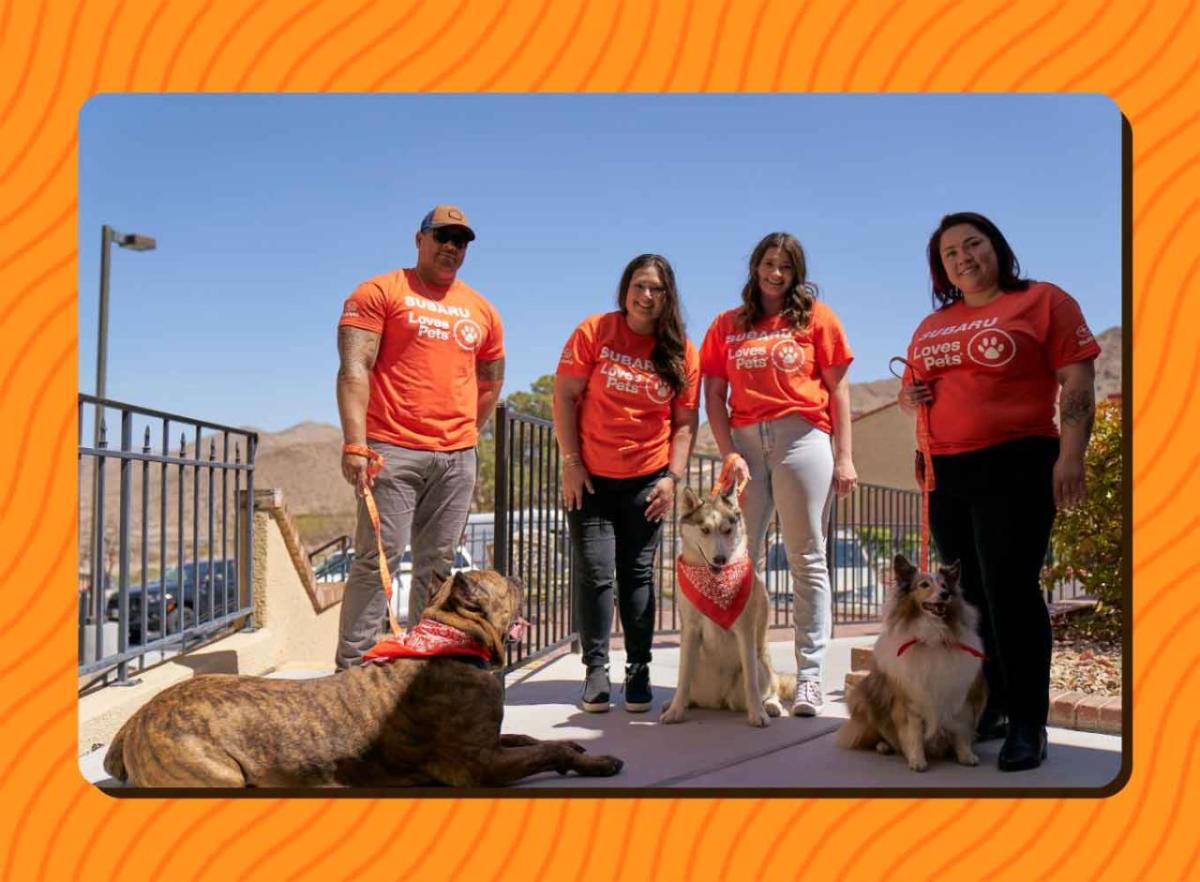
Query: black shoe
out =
(595, 689)
(638, 697)
(993, 724)
(1024, 748)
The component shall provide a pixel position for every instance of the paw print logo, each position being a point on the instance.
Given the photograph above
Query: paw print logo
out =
(658, 391)
(992, 348)
(467, 334)
(787, 356)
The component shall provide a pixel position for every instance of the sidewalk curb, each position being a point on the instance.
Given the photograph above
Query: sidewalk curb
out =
(1068, 710)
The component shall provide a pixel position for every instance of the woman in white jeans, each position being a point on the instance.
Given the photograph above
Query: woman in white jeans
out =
(775, 390)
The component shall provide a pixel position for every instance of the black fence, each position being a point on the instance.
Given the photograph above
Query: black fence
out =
(866, 529)
(165, 533)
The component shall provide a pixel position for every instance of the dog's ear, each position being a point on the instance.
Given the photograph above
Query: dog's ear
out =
(688, 501)
(951, 572)
(904, 571)
(730, 495)
(466, 592)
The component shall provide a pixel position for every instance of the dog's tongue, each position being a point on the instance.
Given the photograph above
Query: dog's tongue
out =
(517, 631)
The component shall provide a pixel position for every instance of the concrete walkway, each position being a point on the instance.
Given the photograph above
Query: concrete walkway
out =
(717, 749)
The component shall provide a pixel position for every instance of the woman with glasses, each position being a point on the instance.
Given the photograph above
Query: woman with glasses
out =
(625, 398)
(777, 400)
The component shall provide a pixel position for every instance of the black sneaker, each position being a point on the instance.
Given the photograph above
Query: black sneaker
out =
(638, 697)
(993, 724)
(595, 690)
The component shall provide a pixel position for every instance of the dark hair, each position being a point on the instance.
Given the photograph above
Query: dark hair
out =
(668, 352)
(797, 302)
(1009, 268)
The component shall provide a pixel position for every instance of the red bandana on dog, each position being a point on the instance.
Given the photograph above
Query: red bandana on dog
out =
(721, 595)
(428, 639)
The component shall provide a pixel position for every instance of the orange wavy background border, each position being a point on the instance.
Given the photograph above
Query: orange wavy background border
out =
(54, 55)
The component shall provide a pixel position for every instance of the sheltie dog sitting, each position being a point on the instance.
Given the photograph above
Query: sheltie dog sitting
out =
(925, 690)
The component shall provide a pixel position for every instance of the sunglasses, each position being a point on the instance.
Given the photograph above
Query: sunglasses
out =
(460, 240)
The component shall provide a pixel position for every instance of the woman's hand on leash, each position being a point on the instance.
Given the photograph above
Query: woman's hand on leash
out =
(1069, 489)
(575, 479)
(658, 503)
(913, 395)
(734, 473)
(845, 479)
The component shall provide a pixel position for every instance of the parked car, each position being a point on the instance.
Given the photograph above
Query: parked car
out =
(853, 576)
(336, 568)
(202, 594)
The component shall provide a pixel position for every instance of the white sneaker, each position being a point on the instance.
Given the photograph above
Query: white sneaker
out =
(808, 699)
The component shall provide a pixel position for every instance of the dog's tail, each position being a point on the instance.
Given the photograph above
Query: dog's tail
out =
(114, 760)
(856, 734)
(787, 687)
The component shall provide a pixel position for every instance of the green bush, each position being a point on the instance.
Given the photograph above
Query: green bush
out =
(1087, 539)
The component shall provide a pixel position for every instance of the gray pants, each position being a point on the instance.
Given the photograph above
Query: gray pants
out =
(791, 471)
(423, 497)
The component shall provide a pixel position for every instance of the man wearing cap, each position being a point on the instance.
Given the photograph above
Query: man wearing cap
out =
(421, 364)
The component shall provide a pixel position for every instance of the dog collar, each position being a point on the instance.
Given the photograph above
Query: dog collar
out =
(967, 648)
(428, 639)
(721, 595)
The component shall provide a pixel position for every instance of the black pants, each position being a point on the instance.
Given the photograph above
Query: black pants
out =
(611, 532)
(992, 510)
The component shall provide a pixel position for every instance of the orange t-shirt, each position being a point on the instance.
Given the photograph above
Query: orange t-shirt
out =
(993, 368)
(774, 369)
(625, 410)
(423, 389)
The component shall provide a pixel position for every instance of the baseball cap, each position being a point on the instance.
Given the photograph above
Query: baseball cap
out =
(447, 216)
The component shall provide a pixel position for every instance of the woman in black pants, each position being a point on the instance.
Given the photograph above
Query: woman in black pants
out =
(991, 362)
(625, 399)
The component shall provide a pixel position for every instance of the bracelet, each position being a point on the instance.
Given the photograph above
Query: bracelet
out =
(572, 459)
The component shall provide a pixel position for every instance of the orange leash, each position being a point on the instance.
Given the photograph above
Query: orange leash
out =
(374, 467)
(726, 467)
(927, 481)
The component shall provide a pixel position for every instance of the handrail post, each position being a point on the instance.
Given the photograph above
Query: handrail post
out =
(500, 505)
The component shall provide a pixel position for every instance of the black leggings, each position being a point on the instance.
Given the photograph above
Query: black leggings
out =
(611, 532)
(993, 509)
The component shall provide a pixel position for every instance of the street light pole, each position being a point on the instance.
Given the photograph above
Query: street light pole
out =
(134, 242)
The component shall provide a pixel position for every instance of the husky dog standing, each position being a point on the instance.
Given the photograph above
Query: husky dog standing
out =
(925, 690)
(723, 649)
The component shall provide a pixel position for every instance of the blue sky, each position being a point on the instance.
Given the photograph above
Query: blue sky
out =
(269, 209)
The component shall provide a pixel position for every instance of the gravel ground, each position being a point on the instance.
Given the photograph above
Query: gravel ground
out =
(1086, 658)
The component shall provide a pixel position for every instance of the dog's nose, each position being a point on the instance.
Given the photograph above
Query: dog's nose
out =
(719, 560)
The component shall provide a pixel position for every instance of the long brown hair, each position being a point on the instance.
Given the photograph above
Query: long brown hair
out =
(797, 302)
(668, 352)
(1007, 266)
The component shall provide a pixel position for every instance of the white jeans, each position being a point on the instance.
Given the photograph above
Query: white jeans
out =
(791, 471)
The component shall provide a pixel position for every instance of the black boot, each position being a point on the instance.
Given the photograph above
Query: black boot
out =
(595, 689)
(993, 724)
(638, 697)
(1024, 748)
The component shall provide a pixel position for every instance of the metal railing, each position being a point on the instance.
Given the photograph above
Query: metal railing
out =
(865, 530)
(172, 567)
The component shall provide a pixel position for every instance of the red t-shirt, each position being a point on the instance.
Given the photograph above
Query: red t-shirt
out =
(423, 388)
(993, 367)
(624, 413)
(774, 369)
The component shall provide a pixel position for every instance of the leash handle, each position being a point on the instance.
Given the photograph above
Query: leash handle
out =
(927, 479)
(374, 467)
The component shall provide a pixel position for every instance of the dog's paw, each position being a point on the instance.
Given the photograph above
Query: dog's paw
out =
(919, 765)
(884, 748)
(609, 766)
(773, 707)
(671, 714)
(757, 719)
(968, 759)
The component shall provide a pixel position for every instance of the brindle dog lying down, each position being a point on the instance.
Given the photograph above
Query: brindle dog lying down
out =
(404, 722)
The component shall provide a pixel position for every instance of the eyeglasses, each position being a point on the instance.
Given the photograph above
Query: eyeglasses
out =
(442, 236)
